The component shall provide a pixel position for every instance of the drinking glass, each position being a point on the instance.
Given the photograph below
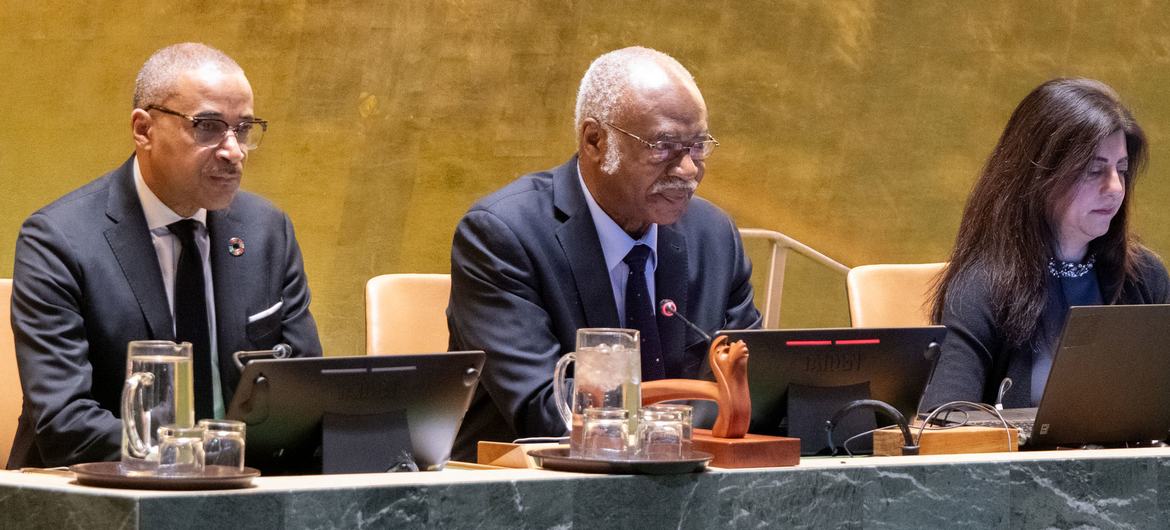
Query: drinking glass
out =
(664, 432)
(223, 443)
(180, 450)
(605, 433)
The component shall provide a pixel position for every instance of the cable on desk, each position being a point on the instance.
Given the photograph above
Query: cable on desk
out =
(955, 406)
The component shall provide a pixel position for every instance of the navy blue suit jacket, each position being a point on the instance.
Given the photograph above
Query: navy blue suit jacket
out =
(87, 281)
(527, 271)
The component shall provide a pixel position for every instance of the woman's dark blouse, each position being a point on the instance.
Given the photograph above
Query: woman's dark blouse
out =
(975, 355)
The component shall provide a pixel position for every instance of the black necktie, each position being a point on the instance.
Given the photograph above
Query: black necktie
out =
(640, 313)
(191, 314)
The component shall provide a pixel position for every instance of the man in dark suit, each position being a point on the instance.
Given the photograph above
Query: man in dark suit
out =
(163, 247)
(551, 252)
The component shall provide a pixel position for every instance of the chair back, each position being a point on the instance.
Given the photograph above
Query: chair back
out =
(887, 296)
(779, 247)
(407, 313)
(11, 398)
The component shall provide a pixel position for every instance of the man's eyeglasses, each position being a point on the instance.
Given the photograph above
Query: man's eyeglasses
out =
(210, 132)
(663, 150)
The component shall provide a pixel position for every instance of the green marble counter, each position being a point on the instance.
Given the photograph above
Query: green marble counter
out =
(1127, 488)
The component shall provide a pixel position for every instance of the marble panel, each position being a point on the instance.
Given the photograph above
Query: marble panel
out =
(239, 510)
(1164, 488)
(784, 498)
(1113, 493)
(1016, 491)
(938, 496)
(511, 504)
(31, 508)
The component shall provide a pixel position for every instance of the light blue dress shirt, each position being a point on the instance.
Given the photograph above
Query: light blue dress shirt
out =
(615, 244)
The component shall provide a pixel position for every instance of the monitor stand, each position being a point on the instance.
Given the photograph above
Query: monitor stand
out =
(810, 406)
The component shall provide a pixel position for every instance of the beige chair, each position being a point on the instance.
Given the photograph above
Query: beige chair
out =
(891, 295)
(778, 257)
(406, 313)
(11, 398)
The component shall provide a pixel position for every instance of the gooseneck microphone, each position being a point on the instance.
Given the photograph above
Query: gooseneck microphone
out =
(669, 309)
(280, 351)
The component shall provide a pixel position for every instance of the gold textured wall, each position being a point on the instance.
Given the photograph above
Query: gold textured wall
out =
(854, 126)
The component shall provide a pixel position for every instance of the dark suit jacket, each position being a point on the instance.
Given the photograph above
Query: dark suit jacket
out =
(527, 271)
(87, 281)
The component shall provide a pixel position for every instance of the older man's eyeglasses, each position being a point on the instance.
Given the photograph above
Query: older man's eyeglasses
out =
(210, 132)
(663, 150)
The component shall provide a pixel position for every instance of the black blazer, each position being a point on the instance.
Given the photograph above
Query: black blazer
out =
(87, 281)
(527, 271)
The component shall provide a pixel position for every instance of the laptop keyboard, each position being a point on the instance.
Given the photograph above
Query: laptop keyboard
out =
(1022, 419)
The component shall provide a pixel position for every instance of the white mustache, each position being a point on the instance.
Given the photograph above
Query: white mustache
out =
(228, 172)
(688, 186)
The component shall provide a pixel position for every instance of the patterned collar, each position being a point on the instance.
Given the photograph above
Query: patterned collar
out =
(1067, 269)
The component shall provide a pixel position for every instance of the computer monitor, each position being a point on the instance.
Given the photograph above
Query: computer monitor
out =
(354, 414)
(821, 370)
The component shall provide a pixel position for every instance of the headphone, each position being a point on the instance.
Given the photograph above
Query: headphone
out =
(908, 448)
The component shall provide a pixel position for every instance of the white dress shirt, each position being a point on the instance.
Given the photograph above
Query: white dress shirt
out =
(167, 246)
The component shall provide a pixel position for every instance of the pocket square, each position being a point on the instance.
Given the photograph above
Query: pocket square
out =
(275, 307)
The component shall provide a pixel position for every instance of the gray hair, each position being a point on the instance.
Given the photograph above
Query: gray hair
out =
(604, 86)
(156, 79)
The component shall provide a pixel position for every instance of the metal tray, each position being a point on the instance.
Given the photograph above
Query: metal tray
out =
(110, 475)
(558, 459)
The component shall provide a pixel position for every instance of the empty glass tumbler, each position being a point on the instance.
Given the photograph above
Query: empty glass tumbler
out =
(664, 432)
(180, 450)
(223, 443)
(605, 433)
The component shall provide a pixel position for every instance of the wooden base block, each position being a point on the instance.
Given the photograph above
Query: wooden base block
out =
(959, 440)
(505, 454)
(753, 450)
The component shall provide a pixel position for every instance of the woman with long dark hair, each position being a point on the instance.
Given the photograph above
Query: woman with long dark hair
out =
(1045, 228)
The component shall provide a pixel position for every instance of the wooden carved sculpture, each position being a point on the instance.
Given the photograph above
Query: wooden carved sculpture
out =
(729, 390)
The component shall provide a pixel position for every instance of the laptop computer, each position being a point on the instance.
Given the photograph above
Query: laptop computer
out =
(354, 414)
(799, 377)
(1109, 383)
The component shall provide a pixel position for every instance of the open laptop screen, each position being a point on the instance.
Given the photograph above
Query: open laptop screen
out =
(832, 367)
(354, 414)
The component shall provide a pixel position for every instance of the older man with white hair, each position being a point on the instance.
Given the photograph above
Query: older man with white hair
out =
(593, 243)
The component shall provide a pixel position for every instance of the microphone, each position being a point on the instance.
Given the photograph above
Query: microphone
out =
(669, 309)
(280, 351)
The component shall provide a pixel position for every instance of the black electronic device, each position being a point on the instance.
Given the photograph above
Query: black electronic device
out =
(1109, 382)
(354, 414)
(799, 377)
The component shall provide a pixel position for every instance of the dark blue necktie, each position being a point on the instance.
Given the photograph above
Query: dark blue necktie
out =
(640, 313)
(191, 314)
